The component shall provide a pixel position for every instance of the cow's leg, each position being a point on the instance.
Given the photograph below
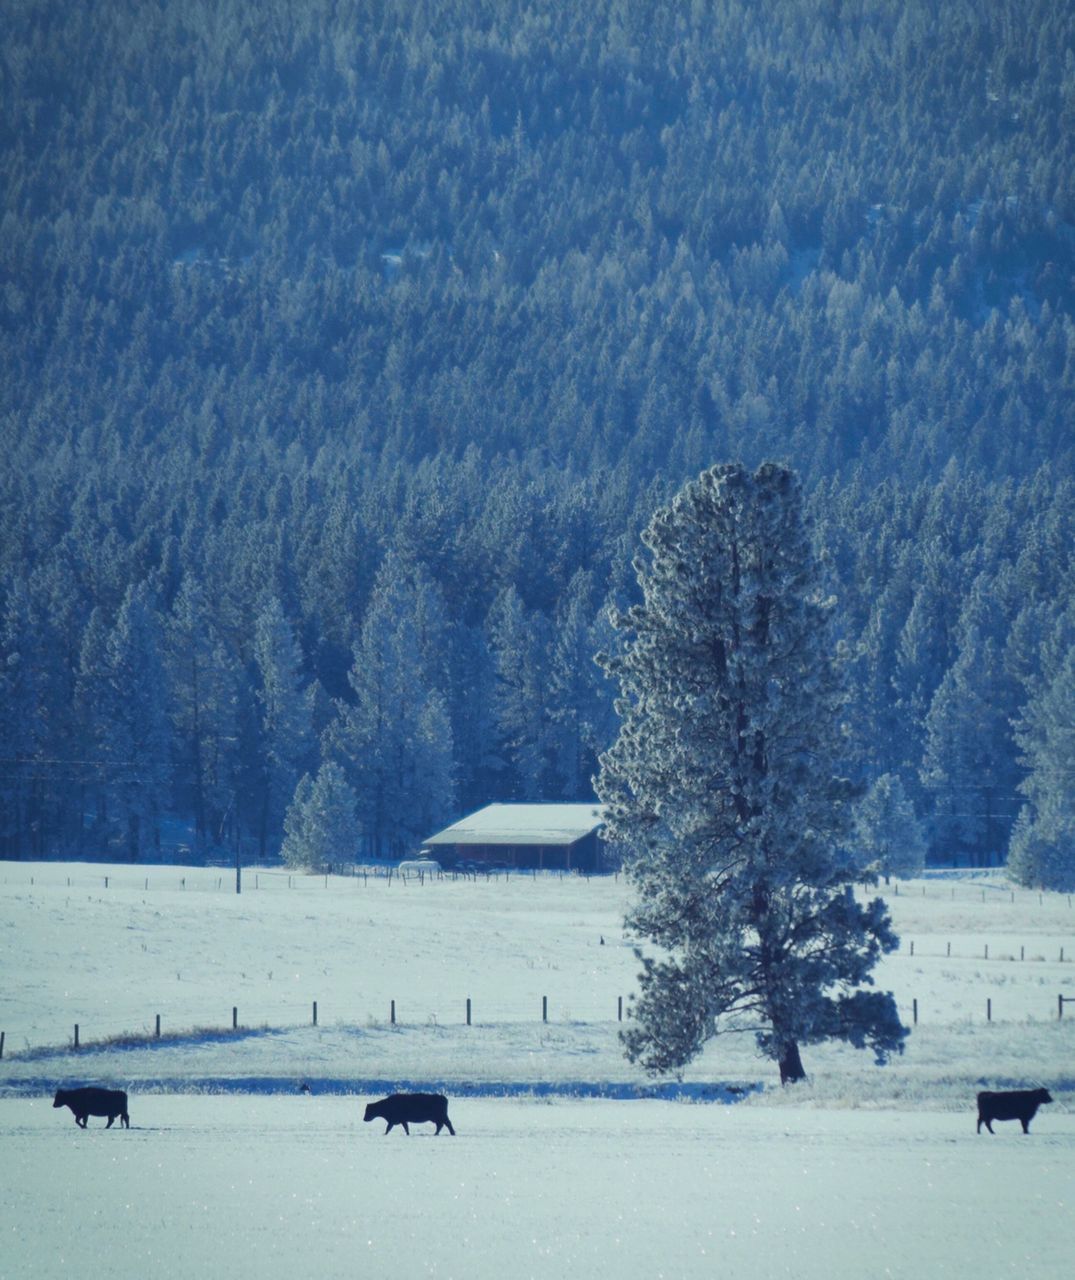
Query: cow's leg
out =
(989, 1125)
(80, 1121)
(126, 1120)
(109, 1124)
(406, 1128)
(1025, 1123)
(390, 1123)
(449, 1124)
(979, 1129)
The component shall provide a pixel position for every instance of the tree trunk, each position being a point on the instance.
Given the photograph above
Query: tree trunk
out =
(791, 1064)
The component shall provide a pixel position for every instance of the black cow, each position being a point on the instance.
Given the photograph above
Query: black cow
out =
(1011, 1104)
(94, 1102)
(411, 1108)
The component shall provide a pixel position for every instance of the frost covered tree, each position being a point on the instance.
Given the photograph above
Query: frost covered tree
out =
(133, 736)
(205, 681)
(286, 716)
(969, 762)
(723, 790)
(888, 838)
(1042, 850)
(321, 826)
(523, 736)
(395, 739)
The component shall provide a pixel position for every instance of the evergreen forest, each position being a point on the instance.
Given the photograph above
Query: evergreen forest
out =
(347, 346)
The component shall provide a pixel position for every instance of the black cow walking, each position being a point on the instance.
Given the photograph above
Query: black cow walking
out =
(94, 1102)
(1010, 1104)
(411, 1108)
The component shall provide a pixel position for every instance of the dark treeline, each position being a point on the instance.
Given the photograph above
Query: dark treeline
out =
(346, 347)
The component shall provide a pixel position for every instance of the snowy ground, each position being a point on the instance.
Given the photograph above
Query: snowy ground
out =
(562, 1166)
(281, 1187)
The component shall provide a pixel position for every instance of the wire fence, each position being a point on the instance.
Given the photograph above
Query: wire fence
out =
(462, 1013)
(251, 1019)
(230, 880)
(216, 880)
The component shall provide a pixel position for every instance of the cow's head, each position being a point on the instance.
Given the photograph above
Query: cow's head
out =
(1043, 1095)
(60, 1099)
(372, 1111)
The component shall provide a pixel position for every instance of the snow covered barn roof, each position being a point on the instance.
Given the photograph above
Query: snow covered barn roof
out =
(521, 832)
(523, 824)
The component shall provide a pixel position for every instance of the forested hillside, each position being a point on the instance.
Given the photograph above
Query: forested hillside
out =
(346, 347)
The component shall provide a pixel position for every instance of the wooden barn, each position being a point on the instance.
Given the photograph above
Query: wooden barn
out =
(558, 837)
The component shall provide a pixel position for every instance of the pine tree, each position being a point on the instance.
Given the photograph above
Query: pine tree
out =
(723, 793)
(320, 826)
(580, 705)
(523, 732)
(134, 737)
(969, 762)
(888, 837)
(286, 720)
(1042, 850)
(205, 682)
(394, 739)
(24, 725)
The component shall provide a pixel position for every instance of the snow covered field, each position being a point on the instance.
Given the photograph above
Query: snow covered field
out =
(296, 1186)
(560, 1169)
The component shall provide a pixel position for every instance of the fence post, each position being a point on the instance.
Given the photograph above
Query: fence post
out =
(1059, 1008)
(912, 946)
(1022, 953)
(315, 1013)
(2, 1035)
(392, 1013)
(619, 1008)
(989, 1010)
(468, 1011)
(544, 1008)
(949, 951)
(76, 1035)
(157, 1030)
(914, 1010)
(234, 1017)
(986, 951)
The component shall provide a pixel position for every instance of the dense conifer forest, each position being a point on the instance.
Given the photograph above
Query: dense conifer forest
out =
(345, 348)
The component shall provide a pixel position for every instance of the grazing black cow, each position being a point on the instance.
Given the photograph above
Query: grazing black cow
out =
(411, 1108)
(1010, 1104)
(94, 1102)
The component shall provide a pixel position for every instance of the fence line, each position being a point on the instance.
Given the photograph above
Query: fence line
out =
(1063, 956)
(468, 1010)
(278, 879)
(268, 878)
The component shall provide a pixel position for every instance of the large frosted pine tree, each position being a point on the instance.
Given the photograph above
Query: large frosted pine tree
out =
(723, 788)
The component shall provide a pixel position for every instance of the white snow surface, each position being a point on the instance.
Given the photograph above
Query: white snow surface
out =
(298, 1186)
(568, 1161)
